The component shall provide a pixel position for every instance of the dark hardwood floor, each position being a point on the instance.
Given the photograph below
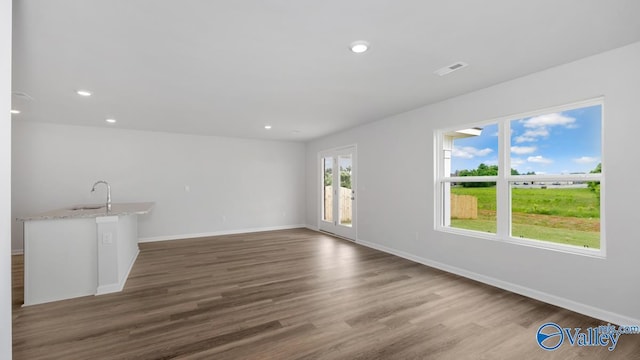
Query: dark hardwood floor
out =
(294, 294)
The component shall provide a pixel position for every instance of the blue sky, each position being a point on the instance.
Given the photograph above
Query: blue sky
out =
(557, 143)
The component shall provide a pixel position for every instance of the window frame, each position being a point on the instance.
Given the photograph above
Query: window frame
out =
(504, 179)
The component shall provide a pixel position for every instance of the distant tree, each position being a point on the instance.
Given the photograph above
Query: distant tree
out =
(594, 186)
(328, 177)
(345, 177)
(482, 170)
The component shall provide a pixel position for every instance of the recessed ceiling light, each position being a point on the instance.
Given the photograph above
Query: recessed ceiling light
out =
(13, 111)
(268, 127)
(359, 47)
(111, 121)
(83, 93)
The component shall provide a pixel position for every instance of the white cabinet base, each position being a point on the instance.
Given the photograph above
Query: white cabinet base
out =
(68, 258)
(59, 260)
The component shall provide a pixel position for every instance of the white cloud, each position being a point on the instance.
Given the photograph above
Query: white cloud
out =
(537, 132)
(539, 159)
(532, 135)
(554, 119)
(516, 162)
(586, 160)
(521, 150)
(521, 139)
(469, 152)
(538, 126)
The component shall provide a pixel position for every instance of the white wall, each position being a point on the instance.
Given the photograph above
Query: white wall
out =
(5, 179)
(235, 184)
(396, 177)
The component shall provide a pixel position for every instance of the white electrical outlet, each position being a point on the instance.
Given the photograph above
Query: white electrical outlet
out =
(107, 238)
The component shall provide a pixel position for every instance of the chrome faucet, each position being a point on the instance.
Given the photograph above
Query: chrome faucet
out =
(108, 192)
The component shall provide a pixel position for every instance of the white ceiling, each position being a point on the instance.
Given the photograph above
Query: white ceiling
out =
(228, 67)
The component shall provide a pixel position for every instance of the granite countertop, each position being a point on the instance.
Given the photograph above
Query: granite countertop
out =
(91, 211)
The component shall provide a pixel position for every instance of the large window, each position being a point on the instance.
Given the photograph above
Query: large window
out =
(532, 179)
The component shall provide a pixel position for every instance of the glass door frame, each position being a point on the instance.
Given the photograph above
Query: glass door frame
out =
(334, 226)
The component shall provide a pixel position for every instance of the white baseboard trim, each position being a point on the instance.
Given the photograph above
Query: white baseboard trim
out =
(219, 233)
(578, 307)
(108, 289)
(111, 288)
(312, 227)
(17, 252)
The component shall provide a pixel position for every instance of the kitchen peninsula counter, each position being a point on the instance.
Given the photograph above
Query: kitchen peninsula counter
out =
(80, 250)
(93, 210)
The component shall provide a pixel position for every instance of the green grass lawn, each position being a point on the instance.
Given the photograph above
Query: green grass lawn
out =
(561, 215)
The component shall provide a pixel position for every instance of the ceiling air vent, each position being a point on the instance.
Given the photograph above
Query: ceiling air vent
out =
(451, 68)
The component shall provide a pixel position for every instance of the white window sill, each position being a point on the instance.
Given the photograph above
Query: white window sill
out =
(539, 244)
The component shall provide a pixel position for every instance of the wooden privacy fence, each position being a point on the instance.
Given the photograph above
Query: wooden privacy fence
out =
(464, 207)
(344, 204)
